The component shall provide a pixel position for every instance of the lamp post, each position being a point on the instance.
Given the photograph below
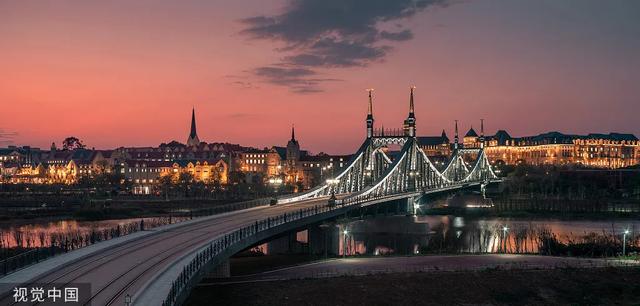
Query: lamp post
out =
(344, 244)
(504, 238)
(624, 242)
(275, 182)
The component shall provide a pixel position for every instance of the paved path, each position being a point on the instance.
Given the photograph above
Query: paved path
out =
(126, 264)
(373, 265)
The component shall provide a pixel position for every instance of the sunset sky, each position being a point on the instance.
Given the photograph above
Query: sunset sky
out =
(127, 73)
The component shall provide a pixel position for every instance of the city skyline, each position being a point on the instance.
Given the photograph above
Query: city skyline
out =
(377, 128)
(110, 74)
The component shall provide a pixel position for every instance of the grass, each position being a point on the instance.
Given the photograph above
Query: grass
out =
(602, 286)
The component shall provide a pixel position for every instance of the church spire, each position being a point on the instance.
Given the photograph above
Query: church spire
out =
(193, 135)
(193, 123)
(293, 133)
(370, 115)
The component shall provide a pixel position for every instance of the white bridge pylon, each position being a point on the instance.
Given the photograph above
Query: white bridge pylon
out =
(370, 172)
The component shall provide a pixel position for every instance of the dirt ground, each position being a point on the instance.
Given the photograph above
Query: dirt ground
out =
(605, 286)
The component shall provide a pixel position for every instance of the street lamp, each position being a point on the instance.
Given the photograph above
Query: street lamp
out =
(344, 244)
(504, 238)
(275, 182)
(624, 242)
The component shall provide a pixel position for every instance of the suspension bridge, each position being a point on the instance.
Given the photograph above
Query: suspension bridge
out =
(159, 267)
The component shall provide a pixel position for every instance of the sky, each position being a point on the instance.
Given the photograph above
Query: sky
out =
(127, 73)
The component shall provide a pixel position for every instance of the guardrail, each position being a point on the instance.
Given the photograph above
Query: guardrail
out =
(231, 207)
(17, 262)
(21, 260)
(188, 278)
(190, 274)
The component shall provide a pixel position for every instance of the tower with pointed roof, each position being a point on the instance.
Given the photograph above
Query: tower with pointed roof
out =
(193, 139)
(293, 149)
(481, 139)
(471, 139)
(444, 137)
(456, 139)
(410, 122)
(370, 116)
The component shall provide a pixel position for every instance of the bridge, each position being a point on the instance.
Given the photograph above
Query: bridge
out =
(159, 267)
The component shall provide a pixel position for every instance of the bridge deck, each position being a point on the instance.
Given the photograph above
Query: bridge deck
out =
(125, 268)
(143, 265)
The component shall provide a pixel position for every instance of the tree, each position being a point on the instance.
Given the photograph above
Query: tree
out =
(102, 166)
(185, 179)
(166, 183)
(72, 143)
(236, 177)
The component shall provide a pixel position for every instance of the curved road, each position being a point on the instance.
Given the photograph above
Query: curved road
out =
(125, 268)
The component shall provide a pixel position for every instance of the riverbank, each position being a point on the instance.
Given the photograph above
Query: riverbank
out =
(24, 212)
(526, 214)
(594, 286)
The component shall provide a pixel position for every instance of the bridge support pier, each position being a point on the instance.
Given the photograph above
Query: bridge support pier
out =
(223, 270)
(411, 207)
(283, 245)
(322, 240)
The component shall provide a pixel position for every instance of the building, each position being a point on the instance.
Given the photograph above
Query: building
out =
(193, 139)
(266, 162)
(610, 151)
(471, 139)
(295, 167)
(144, 175)
(437, 148)
(213, 170)
(316, 169)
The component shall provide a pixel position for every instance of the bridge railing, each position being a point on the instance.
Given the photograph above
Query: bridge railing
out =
(191, 273)
(188, 278)
(232, 207)
(19, 261)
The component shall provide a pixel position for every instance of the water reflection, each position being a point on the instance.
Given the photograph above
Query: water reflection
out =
(402, 235)
(43, 234)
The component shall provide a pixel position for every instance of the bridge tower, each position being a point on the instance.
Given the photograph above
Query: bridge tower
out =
(456, 138)
(370, 115)
(372, 173)
(410, 123)
(481, 134)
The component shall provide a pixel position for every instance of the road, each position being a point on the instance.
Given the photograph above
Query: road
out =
(374, 265)
(125, 268)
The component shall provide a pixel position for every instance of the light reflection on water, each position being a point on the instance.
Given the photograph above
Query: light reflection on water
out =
(39, 234)
(414, 234)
